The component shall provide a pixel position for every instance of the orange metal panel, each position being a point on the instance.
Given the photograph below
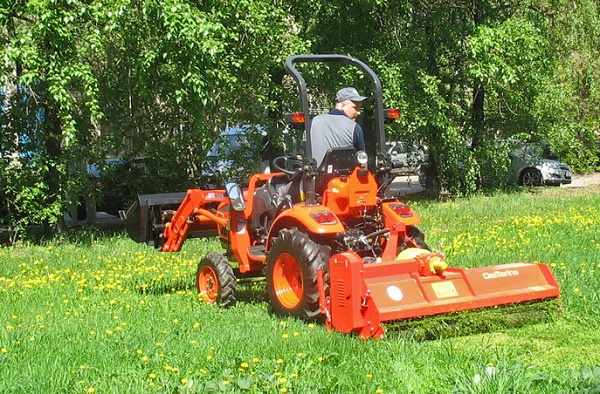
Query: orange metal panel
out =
(362, 296)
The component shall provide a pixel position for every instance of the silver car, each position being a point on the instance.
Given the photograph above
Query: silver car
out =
(530, 167)
(405, 157)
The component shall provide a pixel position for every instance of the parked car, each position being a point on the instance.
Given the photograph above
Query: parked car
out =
(239, 152)
(119, 181)
(531, 164)
(534, 165)
(405, 157)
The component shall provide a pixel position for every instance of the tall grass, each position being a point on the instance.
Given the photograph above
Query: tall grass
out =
(101, 314)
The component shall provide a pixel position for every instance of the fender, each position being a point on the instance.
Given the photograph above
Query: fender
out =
(315, 219)
(397, 211)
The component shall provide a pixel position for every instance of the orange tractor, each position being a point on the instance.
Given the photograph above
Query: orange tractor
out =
(328, 241)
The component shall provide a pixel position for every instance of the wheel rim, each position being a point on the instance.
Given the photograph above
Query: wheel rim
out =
(287, 281)
(531, 179)
(208, 284)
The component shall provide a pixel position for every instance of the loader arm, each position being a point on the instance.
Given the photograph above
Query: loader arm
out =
(190, 216)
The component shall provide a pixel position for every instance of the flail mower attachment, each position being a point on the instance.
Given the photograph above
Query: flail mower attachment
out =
(419, 283)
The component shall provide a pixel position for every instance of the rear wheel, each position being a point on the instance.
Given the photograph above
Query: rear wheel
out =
(531, 178)
(417, 236)
(291, 274)
(215, 280)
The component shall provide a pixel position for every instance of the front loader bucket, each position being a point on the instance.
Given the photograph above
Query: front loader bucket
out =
(362, 296)
(145, 213)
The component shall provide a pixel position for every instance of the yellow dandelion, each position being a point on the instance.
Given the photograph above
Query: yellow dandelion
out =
(255, 360)
(285, 336)
(152, 376)
(209, 357)
(244, 365)
(368, 376)
(279, 361)
(91, 390)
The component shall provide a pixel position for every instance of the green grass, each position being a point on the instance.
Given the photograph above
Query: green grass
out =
(100, 313)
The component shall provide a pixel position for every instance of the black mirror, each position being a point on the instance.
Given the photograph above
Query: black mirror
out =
(236, 196)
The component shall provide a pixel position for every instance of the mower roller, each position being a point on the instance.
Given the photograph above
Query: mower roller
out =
(330, 243)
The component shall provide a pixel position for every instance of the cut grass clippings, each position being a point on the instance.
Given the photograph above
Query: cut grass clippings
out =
(96, 313)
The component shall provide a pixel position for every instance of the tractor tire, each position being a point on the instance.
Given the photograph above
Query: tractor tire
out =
(531, 178)
(215, 280)
(291, 274)
(417, 236)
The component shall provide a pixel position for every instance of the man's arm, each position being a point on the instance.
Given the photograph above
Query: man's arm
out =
(359, 138)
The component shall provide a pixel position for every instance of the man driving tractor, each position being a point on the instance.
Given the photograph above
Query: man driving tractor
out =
(338, 128)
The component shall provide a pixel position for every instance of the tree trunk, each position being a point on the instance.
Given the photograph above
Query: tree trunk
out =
(477, 114)
(52, 145)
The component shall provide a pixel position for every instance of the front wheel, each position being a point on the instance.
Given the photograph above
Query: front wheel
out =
(291, 274)
(215, 280)
(531, 178)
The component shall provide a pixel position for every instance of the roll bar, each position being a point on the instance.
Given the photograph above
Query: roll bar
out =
(376, 85)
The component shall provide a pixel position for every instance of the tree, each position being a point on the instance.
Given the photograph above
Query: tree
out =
(143, 77)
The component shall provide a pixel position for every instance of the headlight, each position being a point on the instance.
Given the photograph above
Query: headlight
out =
(362, 158)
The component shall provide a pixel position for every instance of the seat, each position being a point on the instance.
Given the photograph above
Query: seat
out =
(338, 162)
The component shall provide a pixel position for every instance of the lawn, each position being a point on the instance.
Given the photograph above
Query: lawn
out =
(97, 313)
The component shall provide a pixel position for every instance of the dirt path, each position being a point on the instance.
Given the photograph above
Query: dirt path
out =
(583, 180)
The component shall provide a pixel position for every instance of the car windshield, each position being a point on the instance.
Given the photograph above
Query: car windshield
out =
(233, 139)
(531, 151)
(534, 151)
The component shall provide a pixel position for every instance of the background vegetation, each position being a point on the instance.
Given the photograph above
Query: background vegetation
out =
(85, 78)
(97, 313)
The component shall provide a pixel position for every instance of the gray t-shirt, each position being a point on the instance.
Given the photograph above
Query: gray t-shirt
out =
(334, 130)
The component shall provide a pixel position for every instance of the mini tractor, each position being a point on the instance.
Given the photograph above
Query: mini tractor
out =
(330, 244)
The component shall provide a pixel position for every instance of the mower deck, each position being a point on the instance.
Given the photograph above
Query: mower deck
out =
(362, 296)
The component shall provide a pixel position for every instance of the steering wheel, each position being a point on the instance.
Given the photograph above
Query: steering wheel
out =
(284, 163)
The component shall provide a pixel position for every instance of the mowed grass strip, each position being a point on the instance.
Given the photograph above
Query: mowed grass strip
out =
(99, 313)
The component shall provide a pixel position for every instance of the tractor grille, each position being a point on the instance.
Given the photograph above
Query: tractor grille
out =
(341, 292)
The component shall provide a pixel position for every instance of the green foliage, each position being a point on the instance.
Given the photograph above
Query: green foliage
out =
(163, 78)
(567, 105)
